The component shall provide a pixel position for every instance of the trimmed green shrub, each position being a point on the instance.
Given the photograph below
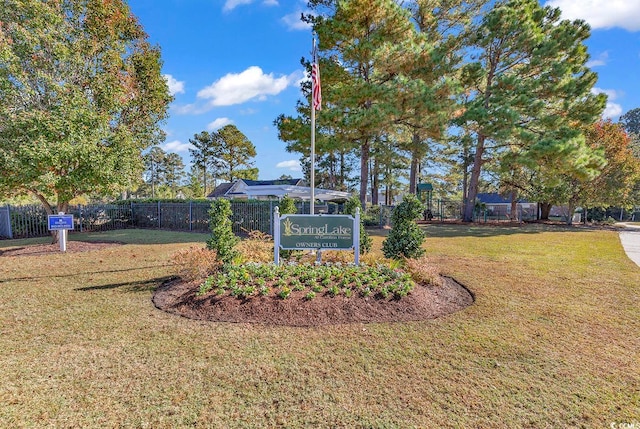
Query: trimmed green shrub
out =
(406, 238)
(350, 208)
(222, 239)
(287, 205)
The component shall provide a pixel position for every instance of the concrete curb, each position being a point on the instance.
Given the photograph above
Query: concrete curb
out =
(631, 243)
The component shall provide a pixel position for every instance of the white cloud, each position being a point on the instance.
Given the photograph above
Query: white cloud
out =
(189, 109)
(229, 5)
(248, 111)
(292, 165)
(238, 88)
(232, 4)
(175, 86)
(219, 123)
(612, 94)
(611, 110)
(293, 21)
(600, 60)
(602, 13)
(176, 146)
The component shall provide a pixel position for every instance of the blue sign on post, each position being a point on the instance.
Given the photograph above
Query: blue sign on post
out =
(60, 222)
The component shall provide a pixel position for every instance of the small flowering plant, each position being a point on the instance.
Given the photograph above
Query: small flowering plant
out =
(310, 280)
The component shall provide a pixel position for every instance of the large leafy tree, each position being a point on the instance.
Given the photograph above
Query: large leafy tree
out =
(81, 95)
(631, 121)
(614, 185)
(530, 90)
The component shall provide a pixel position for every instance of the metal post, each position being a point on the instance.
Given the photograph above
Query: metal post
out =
(313, 132)
(190, 215)
(276, 236)
(356, 236)
(159, 221)
(62, 235)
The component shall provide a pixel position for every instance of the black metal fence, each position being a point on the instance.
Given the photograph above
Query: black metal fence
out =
(31, 221)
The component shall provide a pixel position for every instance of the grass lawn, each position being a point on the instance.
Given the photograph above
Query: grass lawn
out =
(552, 341)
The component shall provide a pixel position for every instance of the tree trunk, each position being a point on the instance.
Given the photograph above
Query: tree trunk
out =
(514, 206)
(474, 180)
(572, 204)
(545, 210)
(364, 172)
(415, 162)
(204, 181)
(342, 185)
(375, 183)
(571, 209)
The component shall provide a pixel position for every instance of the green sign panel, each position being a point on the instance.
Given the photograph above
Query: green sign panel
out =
(328, 232)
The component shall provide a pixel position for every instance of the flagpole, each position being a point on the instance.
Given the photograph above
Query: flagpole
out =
(313, 135)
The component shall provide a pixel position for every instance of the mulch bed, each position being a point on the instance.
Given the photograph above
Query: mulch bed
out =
(424, 302)
(179, 297)
(43, 249)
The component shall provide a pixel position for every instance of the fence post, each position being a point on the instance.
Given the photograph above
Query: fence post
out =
(190, 215)
(80, 215)
(7, 224)
(9, 221)
(159, 220)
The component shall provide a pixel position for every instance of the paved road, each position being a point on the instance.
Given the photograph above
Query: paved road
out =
(630, 240)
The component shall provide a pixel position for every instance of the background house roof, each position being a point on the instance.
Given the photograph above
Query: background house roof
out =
(220, 190)
(275, 188)
(294, 182)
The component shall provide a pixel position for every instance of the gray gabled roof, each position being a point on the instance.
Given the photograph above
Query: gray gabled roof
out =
(223, 189)
(220, 190)
(276, 189)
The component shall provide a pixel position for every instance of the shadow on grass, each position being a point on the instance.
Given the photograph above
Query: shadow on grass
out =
(480, 230)
(122, 236)
(48, 276)
(146, 285)
(143, 236)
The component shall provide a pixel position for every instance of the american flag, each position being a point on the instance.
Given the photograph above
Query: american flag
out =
(315, 80)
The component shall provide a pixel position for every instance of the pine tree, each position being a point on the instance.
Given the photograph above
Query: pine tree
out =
(234, 154)
(530, 87)
(363, 42)
(203, 156)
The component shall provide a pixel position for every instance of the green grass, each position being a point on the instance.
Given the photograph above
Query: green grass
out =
(552, 341)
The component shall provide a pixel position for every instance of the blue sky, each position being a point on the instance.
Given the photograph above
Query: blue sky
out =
(238, 61)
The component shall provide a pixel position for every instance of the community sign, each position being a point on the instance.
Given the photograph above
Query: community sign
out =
(326, 232)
